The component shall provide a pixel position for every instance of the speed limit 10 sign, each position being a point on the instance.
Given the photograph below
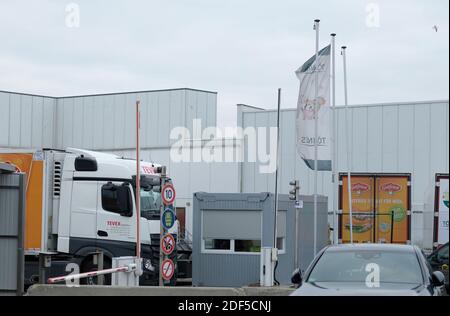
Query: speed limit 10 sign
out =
(168, 194)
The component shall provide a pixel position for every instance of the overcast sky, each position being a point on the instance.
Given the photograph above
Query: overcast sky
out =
(243, 49)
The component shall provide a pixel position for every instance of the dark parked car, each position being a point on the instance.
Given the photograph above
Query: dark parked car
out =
(369, 270)
(439, 262)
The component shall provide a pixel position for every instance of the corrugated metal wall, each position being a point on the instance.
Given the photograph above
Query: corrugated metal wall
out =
(392, 138)
(12, 210)
(107, 122)
(26, 120)
(101, 122)
(235, 269)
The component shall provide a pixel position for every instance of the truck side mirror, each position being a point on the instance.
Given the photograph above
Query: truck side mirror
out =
(124, 200)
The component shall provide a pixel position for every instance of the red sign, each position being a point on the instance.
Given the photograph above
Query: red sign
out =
(167, 269)
(168, 194)
(148, 170)
(391, 187)
(360, 187)
(168, 244)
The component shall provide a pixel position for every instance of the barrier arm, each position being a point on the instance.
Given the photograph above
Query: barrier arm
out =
(71, 277)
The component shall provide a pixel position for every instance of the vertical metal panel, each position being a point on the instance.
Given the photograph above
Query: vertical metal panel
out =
(4, 119)
(288, 150)
(119, 120)
(26, 114)
(130, 120)
(59, 124)
(176, 111)
(14, 120)
(202, 109)
(89, 121)
(438, 138)
(78, 122)
(163, 118)
(374, 139)
(191, 109)
(212, 109)
(261, 179)
(390, 141)
(37, 122)
(152, 120)
(359, 136)
(108, 122)
(67, 127)
(405, 159)
(248, 167)
(98, 127)
(12, 199)
(421, 149)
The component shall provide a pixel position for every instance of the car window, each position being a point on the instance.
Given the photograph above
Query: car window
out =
(443, 253)
(353, 266)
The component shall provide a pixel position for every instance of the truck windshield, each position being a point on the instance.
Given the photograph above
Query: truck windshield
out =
(150, 204)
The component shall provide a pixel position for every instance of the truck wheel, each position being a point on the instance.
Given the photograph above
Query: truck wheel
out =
(89, 266)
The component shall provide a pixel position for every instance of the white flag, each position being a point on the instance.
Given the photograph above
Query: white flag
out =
(306, 111)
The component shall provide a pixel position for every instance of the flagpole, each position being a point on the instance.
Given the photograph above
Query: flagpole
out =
(349, 146)
(316, 130)
(334, 138)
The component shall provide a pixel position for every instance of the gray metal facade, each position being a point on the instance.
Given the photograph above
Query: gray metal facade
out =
(101, 122)
(236, 269)
(12, 210)
(411, 137)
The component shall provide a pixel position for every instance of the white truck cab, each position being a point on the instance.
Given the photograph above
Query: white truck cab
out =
(83, 202)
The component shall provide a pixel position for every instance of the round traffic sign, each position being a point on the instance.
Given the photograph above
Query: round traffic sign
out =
(168, 218)
(167, 269)
(168, 244)
(168, 194)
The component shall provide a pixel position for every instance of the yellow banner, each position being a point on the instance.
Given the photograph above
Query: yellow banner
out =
(379, 204)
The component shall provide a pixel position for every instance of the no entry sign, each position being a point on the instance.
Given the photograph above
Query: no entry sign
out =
(168, 194)
(168, 244)
(167, 269)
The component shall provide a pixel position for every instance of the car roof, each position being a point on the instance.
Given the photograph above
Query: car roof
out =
(371, 247)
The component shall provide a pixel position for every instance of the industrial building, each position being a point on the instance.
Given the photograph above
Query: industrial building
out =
(386, 138)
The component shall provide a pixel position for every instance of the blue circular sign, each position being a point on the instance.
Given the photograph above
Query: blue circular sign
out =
(168, 218)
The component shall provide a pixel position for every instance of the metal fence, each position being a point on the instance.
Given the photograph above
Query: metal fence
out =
(12, 211)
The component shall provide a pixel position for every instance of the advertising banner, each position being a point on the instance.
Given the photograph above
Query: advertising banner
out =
(308, 109)
(380, 207)
(392, 200)
(442, 209)
(363, 209)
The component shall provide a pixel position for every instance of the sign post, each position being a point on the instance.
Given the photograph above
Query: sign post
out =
(167, 241)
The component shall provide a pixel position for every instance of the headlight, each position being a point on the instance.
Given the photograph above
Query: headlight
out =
(148, 265)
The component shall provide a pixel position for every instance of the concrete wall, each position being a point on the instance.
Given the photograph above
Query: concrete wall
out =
(391, 138)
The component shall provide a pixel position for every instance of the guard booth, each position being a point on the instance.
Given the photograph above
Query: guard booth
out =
(12, 214)
(230, 229)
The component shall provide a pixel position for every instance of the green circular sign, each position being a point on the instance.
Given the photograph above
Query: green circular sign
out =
(399, 213)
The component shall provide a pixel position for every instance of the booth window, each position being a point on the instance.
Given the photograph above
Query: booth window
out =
(226, 231)
(247, 245)
(217, 244)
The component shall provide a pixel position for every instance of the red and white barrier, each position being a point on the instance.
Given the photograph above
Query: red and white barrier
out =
(71, 277)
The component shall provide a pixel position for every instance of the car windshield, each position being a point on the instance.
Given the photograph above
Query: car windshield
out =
(356, 266)
(150, 204)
